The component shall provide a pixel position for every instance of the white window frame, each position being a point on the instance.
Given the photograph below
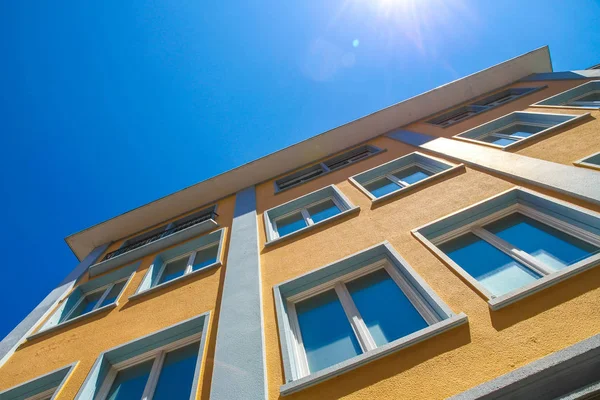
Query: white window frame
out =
(191, 258)
(106, 289)
(585, 163)
(390, 176)
(305, 215)
(364, 337)
(495, 133)
(159, 356)
(512, 251)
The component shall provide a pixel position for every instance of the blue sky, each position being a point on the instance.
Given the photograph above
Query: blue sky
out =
(108, 105)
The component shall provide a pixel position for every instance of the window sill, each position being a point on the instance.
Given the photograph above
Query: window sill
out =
(153, 247)
(355, 362)
(566, 107)
(173, 281)
(311, 227)
(586, 165)
(527, 139)
(277, 190)
(400, 192)
(74, 320)
(549, 280)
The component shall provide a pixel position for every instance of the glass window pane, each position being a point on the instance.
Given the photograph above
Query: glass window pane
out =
(497, 140)
(412, 174)
(551, 246)
(290, 224)
(177, 373)
(130, 382)
(323, 211)
(326, 333)
(174, 269)
(86, 305)
(522, 130)
(111, 297)
(205, 257)
(385, 309)
(496, 271)
(381, 187)
(592, 97)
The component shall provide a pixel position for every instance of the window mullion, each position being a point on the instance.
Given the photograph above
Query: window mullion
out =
(103, 297)
(306, 217)
(72, 308)
(396, 180)
(190, 263)
(359, 327)
(513, 251)
(325, 167)
(153, 377)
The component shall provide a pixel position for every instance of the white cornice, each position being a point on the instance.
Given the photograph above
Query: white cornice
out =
(319, 146)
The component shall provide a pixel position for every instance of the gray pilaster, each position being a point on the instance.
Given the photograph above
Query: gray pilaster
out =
(581, 183)
(239, 369)
(10, 343)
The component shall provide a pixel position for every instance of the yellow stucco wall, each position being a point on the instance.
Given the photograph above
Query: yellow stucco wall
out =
(85, 340)
(492, 344)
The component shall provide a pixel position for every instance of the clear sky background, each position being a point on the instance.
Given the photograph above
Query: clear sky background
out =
(107, 105)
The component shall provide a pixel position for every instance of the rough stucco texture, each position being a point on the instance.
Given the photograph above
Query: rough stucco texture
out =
(492, 344)
(85, 340)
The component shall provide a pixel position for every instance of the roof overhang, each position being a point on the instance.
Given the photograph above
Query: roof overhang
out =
(319, 146)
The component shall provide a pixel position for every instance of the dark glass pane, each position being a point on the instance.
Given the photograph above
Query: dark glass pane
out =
(205, 257)
(551, 246)
(592, 97)
(290, 224)
(86, 305)
(496, 271)
(130, 383)
(174, 269)
(113, 294)
(323, 211)
(381, 187)
(177, 374)
(522, 130)
(412, 174)
(385, 309)
(326, 333)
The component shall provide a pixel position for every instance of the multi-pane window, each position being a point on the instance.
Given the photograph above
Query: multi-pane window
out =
(384, 180)
(362, 311)
(95, 299)
(44, 387)
(489, 102)
(306, 216)
(583, 96)
(165, 373)
(187, 263)
(516, 127)
(305, 212)
(324, 167)
(516, 247)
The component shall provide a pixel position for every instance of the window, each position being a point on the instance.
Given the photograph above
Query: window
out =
(518, 243)
(40, 388)
(158, 239)
(182, 261)
(497, 99)
(90, 298)
(371, 302)
(165, 373)
(325, 167)
(306, 212)
(516, 127)
(585, 96)
(391, 178)
(592, 161)
(163, 365)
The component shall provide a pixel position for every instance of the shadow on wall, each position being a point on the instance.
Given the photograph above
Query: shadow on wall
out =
(386, 367)
(546, 299)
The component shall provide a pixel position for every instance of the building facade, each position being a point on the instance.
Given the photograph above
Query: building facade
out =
(442, 247)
